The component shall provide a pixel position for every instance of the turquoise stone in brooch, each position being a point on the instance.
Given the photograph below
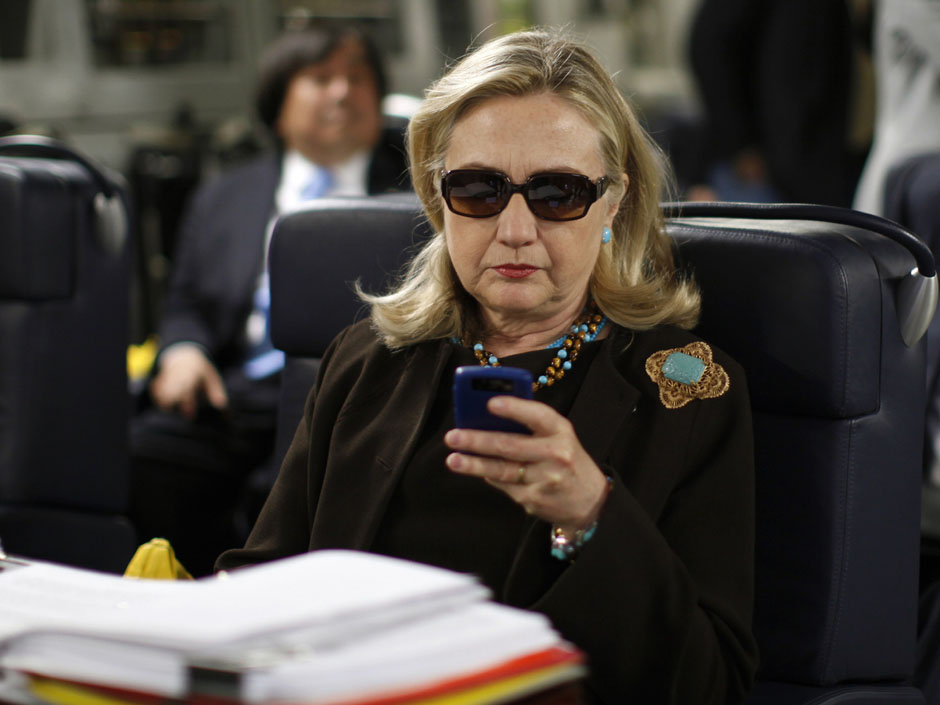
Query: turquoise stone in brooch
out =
(683, 368)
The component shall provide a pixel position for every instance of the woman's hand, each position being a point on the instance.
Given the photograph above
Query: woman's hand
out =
(549, 473)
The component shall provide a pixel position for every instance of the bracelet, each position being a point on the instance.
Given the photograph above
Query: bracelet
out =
(566, 548)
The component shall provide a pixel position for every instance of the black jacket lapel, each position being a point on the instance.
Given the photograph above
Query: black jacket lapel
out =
(354, 499)
(605, 388)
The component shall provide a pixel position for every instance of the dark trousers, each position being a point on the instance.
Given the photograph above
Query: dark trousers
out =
(189, 478)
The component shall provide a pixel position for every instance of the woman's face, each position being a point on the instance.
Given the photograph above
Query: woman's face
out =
(517, 266)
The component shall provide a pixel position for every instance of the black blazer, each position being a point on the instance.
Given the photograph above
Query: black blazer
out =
(221, 248)
(661, 597)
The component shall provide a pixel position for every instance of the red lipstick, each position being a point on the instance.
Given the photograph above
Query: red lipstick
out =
(515, 271)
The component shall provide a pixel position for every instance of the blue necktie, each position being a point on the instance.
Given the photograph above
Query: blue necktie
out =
(262, 358)
(320, 182)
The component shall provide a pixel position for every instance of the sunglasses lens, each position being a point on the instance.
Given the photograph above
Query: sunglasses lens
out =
(477, 194)
(559, 196)
(481, 194)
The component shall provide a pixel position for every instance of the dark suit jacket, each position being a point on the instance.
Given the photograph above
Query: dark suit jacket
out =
(661, 597)
(221, 247)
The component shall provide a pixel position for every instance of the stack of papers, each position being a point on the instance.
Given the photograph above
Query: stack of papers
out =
(325, 628)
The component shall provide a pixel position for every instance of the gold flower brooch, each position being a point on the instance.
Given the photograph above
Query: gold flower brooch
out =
(687, 373)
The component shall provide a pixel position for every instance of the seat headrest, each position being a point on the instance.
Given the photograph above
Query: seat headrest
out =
(797, 312)
(369, 242)
(792, 300)
(38, 214)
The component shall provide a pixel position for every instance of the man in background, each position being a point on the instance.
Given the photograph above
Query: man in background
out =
(215, 384)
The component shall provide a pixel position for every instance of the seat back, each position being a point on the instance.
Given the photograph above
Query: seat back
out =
(911, 189)
(912, 192)
(64, 320)
(810, 309)
(316, 256)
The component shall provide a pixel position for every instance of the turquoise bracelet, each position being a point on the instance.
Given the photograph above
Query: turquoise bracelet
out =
(566, 548)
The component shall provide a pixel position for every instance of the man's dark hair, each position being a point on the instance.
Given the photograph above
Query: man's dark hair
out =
(295, 51)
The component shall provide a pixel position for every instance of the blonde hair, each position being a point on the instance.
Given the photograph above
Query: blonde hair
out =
(634, 282)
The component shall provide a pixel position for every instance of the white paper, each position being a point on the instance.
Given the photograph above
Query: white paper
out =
(320, 625)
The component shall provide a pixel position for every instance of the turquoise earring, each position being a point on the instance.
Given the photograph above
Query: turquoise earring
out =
(606, 235)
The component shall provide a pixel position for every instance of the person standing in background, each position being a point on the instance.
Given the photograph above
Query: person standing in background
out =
(776, 80)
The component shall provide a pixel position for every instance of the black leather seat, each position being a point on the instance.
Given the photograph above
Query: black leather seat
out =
(336, 242)
(912, 192)
(63, 340)
(811, 309)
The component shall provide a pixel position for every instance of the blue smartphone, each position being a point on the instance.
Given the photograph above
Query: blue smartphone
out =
(474, 385)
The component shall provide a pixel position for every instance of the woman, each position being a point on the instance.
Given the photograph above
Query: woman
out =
(626, 515)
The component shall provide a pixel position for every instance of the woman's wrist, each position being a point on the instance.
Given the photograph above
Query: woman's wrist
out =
(594, 513)
(566, 541)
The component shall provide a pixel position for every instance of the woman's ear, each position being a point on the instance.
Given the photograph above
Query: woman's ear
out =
(614, 205)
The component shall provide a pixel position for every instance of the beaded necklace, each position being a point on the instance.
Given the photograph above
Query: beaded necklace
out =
(585, 328)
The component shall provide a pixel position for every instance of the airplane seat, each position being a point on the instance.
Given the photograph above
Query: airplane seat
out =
(63, 340)
(319, 253)
(912, 192)
(822, 317)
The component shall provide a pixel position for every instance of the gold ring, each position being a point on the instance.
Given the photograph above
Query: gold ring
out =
(521, 478)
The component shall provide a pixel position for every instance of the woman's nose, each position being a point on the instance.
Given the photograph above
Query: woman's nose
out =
(516, 225)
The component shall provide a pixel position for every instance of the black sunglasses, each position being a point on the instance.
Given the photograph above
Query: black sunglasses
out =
(480, 193)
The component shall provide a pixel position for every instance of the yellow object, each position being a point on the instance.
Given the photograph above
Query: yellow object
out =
(58, 693)
(155, 560)
(140, 358)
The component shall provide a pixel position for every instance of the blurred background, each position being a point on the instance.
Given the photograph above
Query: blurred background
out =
(108, 75)
(161, 91)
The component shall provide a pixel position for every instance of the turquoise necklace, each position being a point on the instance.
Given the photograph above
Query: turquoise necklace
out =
(585, 328)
